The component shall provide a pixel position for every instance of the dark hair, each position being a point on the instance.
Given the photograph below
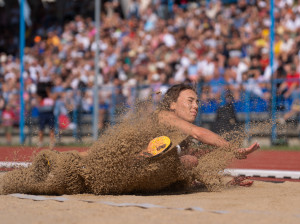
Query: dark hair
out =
(172, 95)
(43, 88)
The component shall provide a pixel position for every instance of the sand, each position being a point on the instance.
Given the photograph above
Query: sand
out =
(111, 169)
(264, 202)
(112, 165)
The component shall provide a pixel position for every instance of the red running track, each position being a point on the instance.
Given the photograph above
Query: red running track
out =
(266, 160)
(270, 160)
(25, 153)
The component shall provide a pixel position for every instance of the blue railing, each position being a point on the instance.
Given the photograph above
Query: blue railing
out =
(247, 105)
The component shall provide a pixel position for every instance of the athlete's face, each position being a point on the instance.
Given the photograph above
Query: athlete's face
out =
(186, 106)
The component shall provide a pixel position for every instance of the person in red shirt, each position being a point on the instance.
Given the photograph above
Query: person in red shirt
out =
(8, 122)
(291, 83)
(291, 88)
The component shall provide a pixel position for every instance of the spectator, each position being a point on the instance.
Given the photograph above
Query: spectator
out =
(224, 44)
(8, 118)
(103, 114)
(2, 105)
(291, 83)
(46, 102)
(295, 109)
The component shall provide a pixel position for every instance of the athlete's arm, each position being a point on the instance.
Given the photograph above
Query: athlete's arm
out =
(201, 134)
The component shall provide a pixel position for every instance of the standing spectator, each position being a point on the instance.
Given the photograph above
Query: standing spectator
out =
(192, 70)
(162, 9)
(133, 9)
(7, 122)
(103, 114)
(2, 105)
(46, 117)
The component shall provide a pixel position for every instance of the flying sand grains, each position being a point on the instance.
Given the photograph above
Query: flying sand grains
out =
(51, 172)
(113, 165)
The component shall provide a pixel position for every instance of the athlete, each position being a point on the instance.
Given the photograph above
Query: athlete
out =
(179, 108)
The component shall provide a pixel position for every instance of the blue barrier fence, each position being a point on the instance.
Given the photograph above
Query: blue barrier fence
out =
(247, 105)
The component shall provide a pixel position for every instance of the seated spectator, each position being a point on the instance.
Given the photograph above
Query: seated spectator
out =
(295, 109)
(291, 82)
(251, 85)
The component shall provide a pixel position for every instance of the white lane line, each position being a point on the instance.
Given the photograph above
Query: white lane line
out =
(284, 174)
(14, 164)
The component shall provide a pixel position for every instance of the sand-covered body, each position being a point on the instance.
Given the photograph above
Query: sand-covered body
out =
(112, 165)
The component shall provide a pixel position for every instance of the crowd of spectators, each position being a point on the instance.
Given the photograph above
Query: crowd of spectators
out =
(223, 47)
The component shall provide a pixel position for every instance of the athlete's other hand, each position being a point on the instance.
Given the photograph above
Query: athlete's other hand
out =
(243, 152)
(240, 181)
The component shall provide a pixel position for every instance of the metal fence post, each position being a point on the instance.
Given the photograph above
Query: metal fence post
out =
(96, 67)
(112, 108)
(273, 88)
(248, 118)
(56, 126)
(199, 92)
(273, 112)
(75, 120)
(22, 45)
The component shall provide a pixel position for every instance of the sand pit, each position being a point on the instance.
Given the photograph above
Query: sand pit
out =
(264, 202)
(111, 168)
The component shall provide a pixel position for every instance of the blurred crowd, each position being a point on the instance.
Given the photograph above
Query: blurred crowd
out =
(222, 47)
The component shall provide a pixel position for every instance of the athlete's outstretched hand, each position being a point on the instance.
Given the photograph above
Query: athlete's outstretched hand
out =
(240, 181)
(243, 152)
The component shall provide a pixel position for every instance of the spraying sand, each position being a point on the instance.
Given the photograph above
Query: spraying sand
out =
(112, 167)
